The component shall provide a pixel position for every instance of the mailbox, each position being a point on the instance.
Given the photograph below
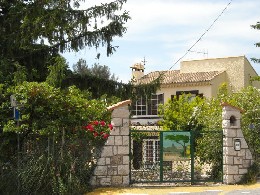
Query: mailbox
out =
(237, 144)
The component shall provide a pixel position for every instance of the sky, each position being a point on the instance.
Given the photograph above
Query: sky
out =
(162, 31)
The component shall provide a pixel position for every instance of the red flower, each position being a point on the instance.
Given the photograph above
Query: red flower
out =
(105, 135)
(95, 123)
(90, 127)
(102, 123)
(95, 134)
(110, 126)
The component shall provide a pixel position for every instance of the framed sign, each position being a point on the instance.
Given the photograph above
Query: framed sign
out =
(237, 144)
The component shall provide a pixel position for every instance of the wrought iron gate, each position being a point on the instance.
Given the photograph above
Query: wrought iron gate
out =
(176, 156)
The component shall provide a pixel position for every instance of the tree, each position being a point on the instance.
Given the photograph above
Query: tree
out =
(256, 26)
(32, 31)
(81, 67)
(180, 139)
(100, 71)
(178, 114)
(57, 72)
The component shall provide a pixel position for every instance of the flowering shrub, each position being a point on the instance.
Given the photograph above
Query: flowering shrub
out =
(98, 129)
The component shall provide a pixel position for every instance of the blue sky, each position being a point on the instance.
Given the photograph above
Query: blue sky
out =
(163, 30)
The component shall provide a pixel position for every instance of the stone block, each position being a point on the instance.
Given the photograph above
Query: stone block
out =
(124, 130)
(126, 160)
(126, 122)
(225, 179)
(238, 160)
(108, 161)
(123, 150)
(105, 181)
(115, 131)
(117, 122)
(107, 151)
(112, 171)
(117, 180)
(230, 179)
(225, 124)
(229, 151)
(116, 160)
(227, 142)
(225, 169)
(118, 140)
(110, 141)
(248, 154)
(228, 160)
(115, 150)
(226, 114)
(125, 140)
(237, 178)
(100, 170)
(232, 169)
(240, 134)
(244, 144)
(247, 163)
(242, 171)
(126, 180)
(122, 112)
(101, 161)
(230, 132)
(241, 153)
(225, 151)
(123, 169)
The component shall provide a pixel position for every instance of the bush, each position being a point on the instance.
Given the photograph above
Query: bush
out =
(55, 147)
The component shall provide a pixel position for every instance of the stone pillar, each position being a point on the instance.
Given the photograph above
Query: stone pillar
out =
(113, 165)
(236, 154)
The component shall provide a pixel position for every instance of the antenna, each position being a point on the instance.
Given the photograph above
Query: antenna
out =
(144, 61)
(205, 53)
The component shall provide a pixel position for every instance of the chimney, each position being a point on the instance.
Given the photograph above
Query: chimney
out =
(137, 71)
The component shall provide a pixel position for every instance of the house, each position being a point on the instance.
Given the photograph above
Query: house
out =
(197, 77)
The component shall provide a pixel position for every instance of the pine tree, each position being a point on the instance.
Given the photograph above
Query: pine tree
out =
(32, 31)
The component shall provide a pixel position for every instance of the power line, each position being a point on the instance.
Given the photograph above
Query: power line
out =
(202, 35)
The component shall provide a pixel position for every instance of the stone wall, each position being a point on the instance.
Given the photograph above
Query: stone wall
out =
(235, 161)
(113, 165)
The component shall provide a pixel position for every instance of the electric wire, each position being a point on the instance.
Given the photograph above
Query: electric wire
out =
(199, 39)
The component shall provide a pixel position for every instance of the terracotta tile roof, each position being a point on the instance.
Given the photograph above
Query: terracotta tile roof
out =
(176, 77)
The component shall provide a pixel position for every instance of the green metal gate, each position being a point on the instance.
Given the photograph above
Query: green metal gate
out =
(176, 156)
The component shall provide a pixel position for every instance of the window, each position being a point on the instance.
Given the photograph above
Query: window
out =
(151, 151)
(193, 94)
(147, 107)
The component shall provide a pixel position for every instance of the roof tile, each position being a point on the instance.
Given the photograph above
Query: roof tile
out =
(176, 77)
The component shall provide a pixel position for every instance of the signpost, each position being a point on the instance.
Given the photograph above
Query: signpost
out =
(16, 118)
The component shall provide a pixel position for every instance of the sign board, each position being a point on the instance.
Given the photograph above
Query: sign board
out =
(237, 144)
(13, 101)
(16, 114)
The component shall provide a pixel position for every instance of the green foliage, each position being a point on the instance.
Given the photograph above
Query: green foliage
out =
(58, 108)
(179, 114)
(81, 68)
(61, 24)
(256, 60)
(206, 117)
(57, 155)
(33, 33)
(57, 72)
(248, 100)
